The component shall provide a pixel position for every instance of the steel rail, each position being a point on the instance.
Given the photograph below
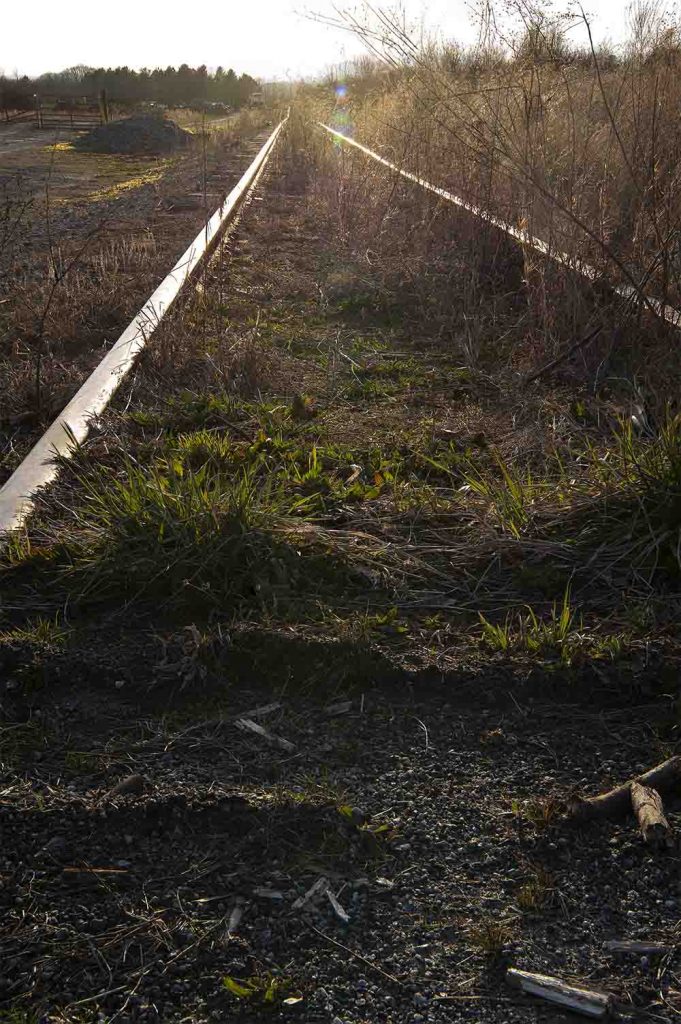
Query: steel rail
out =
(17, 496)
(670, 314)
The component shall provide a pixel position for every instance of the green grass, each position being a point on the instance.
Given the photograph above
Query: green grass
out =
(266, 991)
(530, 633)
(560, 635)
(257, 516)
(196, 535)
(39, 633)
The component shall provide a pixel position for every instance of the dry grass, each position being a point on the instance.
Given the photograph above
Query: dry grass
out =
(577, 148)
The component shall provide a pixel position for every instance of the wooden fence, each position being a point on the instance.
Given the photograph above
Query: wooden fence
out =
(58, 115)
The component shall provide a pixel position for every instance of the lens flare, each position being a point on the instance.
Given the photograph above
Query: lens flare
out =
(341, 115)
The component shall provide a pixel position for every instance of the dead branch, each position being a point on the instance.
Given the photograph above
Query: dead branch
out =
(616, 803)
(563, 357)
(647, 805)
(581, 1000)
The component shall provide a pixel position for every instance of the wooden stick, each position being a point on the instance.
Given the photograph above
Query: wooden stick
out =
(581, 1000)
(617, 802)
(564, 356)
(647, 805)
(636, 948)
(247, 724)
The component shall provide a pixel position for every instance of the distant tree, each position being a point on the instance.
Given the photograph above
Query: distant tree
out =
(124, 85)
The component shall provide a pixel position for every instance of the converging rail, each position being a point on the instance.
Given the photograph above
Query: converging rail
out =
(71, 427)
(670, 314)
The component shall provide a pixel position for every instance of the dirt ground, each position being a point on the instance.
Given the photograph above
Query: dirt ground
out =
(396, 838)
(39, 157)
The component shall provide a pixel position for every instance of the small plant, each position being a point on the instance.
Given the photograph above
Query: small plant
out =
(39, 633)
(541, 813)
(511, 498)
(537, 893)
(18, 1015)
(490, 935)
(534, 635)
(498, 636)
(267, 990)
(81, 761)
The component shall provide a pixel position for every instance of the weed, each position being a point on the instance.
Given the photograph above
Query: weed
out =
(22, 740)
(555, 635)
(541, 813)
(41, 632)
(490, 935)
(18, 1015)
(537, 893)
(189, 411)
(81, 761)
(196, 537)
(266, 990)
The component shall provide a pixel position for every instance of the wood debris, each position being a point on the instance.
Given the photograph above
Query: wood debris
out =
(133, 785)
(318, 889)
(581, 1000)
(262, 711)
(268, 894)
(248, 725)
(647, 805)
(340, 708)
(338, 910)
(235, 918)
(616, 803)
(636, 948)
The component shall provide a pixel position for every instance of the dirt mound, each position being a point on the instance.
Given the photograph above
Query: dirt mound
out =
(141, 134)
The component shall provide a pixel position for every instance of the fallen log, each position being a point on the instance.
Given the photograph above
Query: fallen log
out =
(647, 805)
(553, 990)
(616, 803)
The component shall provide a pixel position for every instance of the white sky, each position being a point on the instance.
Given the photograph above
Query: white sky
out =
(266, 38)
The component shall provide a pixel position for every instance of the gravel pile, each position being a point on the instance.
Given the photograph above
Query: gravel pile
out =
(141, 134)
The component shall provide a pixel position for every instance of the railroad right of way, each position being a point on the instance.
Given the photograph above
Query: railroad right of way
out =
(242, 661)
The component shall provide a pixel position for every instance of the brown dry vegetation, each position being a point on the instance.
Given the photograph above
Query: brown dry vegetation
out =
(577, 147)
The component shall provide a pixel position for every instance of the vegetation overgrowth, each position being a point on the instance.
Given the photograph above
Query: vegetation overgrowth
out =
(577, 146)
(393, 434)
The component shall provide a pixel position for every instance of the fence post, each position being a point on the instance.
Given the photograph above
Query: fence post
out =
(104, 106)
(38, 111)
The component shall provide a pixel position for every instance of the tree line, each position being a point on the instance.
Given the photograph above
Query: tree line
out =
(126, 85)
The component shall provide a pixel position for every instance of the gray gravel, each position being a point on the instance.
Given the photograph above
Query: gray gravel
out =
(143, 883)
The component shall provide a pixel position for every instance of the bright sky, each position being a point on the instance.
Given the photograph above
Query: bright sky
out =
(266, 38)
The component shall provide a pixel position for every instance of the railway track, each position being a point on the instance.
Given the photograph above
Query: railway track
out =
(71, 427)
(400, 763)
(632, 292)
